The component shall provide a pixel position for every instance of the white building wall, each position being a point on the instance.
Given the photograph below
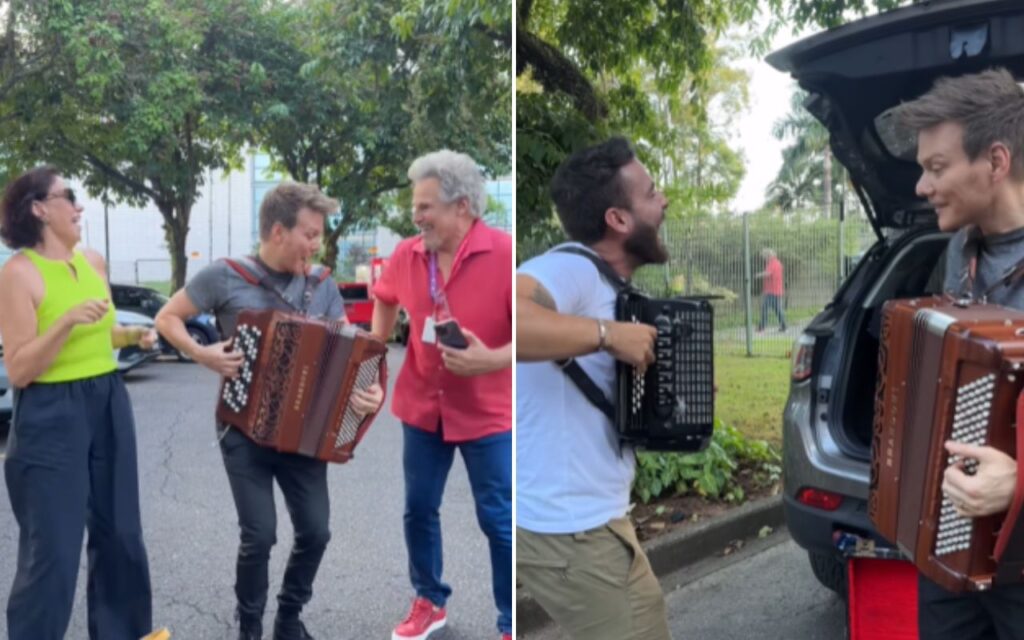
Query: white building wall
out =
(221, 224)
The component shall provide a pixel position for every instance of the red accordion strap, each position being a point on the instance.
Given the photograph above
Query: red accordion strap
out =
(1013, 515)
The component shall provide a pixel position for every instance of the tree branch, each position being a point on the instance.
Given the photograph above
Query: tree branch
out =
(525, 7)
(504, 36)
(555, 72)
(113, 173)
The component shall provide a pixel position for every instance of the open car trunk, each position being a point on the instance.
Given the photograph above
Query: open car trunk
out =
(913, 267)
(857, 73)
(855, 76)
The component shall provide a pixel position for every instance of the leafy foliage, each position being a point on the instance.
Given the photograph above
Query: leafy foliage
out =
(139, 122)
(649, 70)
(712, 473)
(808, 177)
(359, 89)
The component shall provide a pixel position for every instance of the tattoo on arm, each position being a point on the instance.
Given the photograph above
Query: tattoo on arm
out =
(543, 298)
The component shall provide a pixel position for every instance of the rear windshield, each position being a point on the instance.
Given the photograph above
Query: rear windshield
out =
(899, 141)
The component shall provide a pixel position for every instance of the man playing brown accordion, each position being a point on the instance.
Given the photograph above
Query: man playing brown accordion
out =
(291, 226)
(970, 145)
(576, 550)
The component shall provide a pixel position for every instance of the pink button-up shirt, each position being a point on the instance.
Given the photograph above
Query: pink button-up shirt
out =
(479, 295)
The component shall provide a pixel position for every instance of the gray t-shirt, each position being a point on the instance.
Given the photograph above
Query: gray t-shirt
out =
(997, 254)
(220, 290)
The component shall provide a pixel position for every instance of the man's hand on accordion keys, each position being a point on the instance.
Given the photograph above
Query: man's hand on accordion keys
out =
(220, 358)
(631, 342)
(367, 401)
(989, 489)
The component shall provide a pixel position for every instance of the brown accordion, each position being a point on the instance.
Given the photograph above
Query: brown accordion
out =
(947, 371)
(298, 373)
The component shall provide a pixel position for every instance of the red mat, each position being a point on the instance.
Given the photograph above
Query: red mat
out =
(882, 602)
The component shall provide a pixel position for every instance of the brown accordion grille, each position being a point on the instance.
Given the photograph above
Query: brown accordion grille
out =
(282, 353)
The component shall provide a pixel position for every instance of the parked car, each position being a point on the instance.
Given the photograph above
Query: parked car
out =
(146, 301)
(359, 310)
(130, 357)
(855, 75)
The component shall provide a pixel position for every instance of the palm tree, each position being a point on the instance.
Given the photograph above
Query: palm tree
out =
(807, 175)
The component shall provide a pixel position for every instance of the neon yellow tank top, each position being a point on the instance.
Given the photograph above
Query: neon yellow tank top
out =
(89, 349)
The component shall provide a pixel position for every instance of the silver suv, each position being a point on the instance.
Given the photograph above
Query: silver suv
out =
(855, 75)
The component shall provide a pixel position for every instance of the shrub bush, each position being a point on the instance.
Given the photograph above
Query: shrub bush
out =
(712, 473)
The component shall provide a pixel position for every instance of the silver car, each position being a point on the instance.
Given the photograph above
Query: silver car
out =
(855, 75)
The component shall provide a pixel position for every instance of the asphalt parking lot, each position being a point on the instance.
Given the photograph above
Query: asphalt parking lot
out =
(362, 589)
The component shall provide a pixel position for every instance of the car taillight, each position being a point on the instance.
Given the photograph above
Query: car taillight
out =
(803, 354)
(819, 498)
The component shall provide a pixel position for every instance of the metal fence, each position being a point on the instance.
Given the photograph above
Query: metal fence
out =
(721, 257)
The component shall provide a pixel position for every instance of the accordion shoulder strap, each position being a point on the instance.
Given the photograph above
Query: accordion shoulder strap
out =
(607, 272)
(1009, 549)
(588, 387)
(579, 377)
(254, 272)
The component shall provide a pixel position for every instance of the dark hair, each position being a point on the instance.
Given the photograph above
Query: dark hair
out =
(587, 184)
(989, 105)
(282, 204)
(19, 227)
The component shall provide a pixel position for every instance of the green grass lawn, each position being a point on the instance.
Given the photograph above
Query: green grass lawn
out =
(752, 393)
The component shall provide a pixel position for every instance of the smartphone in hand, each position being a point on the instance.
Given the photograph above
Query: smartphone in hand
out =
(449, 334)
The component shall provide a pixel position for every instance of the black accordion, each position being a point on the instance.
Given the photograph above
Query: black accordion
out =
(671, 406)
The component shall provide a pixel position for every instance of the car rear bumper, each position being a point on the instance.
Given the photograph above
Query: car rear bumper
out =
(131, 357)
(816, 529)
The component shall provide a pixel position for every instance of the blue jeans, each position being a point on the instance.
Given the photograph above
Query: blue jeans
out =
(770, 302)
(427, 459)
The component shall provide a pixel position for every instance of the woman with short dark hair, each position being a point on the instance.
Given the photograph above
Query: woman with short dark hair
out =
(71, 458)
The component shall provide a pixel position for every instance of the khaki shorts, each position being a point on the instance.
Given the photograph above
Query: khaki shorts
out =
(597, 584)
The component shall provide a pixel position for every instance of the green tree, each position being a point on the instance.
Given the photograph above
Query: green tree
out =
(143, 100)
(587, 68)
(364, 88)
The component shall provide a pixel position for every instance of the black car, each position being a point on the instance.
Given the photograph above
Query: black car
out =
(855, 75)
(202, 328)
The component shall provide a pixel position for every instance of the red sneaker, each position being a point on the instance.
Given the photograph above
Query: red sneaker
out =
(506, 636)
(423, 619)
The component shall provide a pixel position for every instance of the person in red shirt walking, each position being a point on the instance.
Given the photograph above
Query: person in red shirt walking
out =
(771, 289)
(456, 270)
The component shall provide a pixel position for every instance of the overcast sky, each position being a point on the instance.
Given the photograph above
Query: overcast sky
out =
(770, 91)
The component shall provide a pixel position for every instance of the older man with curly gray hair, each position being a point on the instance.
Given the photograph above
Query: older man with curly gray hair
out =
(455, 388)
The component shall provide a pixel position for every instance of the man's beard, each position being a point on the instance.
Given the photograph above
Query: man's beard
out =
(643, 245)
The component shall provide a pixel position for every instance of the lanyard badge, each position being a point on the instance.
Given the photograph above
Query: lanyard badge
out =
(441, 310)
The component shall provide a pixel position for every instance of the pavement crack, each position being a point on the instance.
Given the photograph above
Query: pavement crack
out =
(173, 431)
(170, 601)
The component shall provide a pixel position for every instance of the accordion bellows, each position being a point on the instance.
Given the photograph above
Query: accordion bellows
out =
(947, 371)
(292, 393)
